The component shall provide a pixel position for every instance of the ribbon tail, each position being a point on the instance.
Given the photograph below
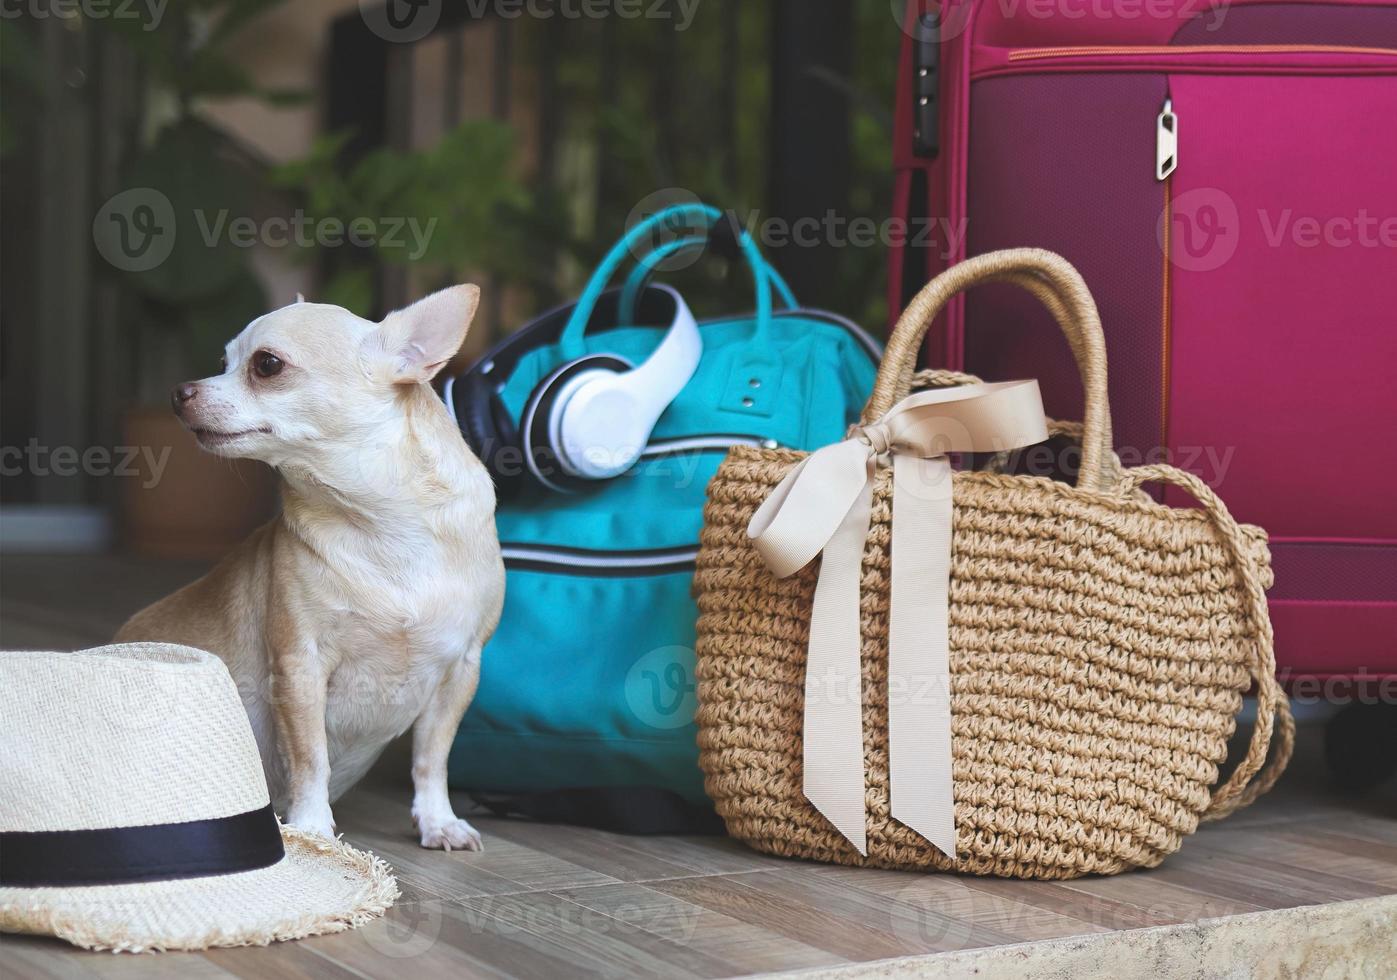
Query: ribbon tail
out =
(919, 674)
(833, 742)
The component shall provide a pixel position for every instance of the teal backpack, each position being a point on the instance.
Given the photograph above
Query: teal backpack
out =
(585, 709)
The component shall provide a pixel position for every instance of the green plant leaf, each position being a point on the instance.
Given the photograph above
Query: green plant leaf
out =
(353, 289)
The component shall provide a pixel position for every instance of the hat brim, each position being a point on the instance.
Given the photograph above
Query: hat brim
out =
(320, 886)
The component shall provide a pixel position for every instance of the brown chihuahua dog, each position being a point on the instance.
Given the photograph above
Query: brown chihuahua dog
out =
(362, 609)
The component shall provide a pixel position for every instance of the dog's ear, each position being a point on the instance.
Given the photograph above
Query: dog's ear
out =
(419, 339)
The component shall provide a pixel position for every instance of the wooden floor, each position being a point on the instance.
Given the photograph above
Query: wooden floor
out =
(554, 901)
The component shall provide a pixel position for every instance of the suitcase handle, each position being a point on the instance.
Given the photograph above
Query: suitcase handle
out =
(1060, 288)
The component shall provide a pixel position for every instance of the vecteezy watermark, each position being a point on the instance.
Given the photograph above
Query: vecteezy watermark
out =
(302, 230)
(935, 914)
(136, 230)
(1361, 230)
(1360, 687)
(955, 20)
(660, 687)
(408, 929)
(1201, 229)
(400, 21)
(405, 21)
(146, 463)
(538, 915)
(678, 238)
(1209, 463)
(149, 12)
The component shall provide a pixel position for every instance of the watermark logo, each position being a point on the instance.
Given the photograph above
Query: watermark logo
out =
(408, 929)
(1360, 230)
(935, 915)
(144, 463)
(1200, 230)
(828, 230)
(156, 698)
(135, 230)
(303, 231)
(932, 25)
(671, 230)
(405, 21)
(953, 20)
(149, 12)
(400, 21)
(660, 687)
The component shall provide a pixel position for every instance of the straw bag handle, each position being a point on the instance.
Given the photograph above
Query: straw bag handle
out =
(1274, 731)
(1058, 287)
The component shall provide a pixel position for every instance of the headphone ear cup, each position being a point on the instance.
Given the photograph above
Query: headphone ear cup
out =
(541, 457)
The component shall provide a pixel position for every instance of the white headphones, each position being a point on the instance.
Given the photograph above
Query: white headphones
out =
(591, 418)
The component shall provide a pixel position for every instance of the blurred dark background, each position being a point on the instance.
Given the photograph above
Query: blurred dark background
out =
(173, 168)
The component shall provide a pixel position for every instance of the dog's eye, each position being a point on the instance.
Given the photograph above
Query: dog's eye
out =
(266, 364)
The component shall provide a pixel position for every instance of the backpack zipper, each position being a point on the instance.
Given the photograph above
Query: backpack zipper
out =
(720, 442)
(645, 561)
(601, 564)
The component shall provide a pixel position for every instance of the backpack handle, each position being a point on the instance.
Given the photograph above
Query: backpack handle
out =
(646, 268)
(1060, 288)
(570, 341)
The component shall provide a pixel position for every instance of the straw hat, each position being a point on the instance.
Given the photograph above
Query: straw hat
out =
(134, 812)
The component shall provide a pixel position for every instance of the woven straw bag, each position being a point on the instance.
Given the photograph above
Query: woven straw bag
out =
(1100, 644)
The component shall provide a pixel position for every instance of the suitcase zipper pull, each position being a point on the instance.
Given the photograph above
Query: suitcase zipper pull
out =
(1166, 141)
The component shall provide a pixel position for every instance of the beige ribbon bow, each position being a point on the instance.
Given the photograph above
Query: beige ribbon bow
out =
(824, 506)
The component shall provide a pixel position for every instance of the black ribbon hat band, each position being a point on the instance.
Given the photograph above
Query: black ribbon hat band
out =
(157, 852)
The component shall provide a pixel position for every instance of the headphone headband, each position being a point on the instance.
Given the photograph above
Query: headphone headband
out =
(593, 416)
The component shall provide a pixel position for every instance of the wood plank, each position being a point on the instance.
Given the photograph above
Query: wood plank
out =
(1268, 884)
(1160, 901)
(429, 940)
(282, 961)
(369, 819)
(1354, 863)
(1344, 842)
(851, 925)
(596, 941)
(43, 957)
(635, 858)
(527, 935)
(746, 946)
(971, 910)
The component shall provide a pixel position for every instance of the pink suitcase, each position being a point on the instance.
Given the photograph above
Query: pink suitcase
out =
(1225, 178)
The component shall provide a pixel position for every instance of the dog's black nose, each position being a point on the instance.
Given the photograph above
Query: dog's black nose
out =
(182, 393)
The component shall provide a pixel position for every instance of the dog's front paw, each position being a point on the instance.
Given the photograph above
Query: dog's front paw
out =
(314, 820)
(450, 835)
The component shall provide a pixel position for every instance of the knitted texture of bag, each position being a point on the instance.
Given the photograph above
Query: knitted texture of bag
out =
(1100, 645)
